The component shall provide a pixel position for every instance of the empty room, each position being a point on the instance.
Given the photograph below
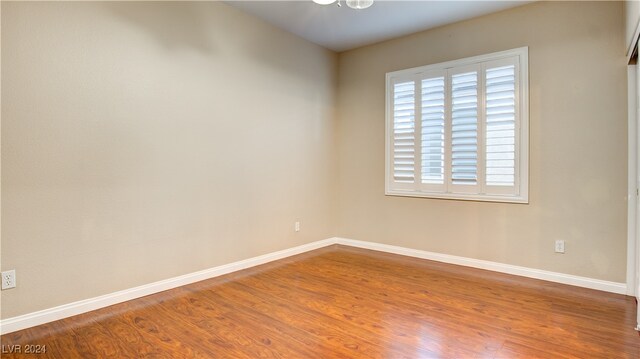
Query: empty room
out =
(319, 179)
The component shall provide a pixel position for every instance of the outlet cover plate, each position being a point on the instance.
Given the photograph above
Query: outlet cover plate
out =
(559, 246)
(9, 279)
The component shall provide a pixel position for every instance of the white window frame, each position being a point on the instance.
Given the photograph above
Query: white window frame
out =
(521, 177)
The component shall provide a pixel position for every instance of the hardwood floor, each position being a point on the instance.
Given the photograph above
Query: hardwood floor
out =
(351, 303)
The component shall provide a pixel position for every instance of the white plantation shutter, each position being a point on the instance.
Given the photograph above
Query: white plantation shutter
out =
(460, 129)
(500, 126)
(404, 124)
(432, 131)
(464, 130)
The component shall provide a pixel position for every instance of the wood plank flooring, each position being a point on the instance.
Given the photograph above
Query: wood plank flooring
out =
(342, 302)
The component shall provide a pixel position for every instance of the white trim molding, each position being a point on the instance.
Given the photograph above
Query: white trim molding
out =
(603, 285)
(67, 310)
(632, 179)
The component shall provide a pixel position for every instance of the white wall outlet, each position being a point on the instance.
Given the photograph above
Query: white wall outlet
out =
(560, 246)
(296, 226)
(9, 279)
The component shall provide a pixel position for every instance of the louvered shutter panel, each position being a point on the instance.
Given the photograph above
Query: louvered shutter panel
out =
(464, 131)
(500, 126)
(404, 124)
(432, 131)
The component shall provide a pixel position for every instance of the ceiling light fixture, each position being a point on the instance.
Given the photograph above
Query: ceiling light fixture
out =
(359, 4)
(354, 4)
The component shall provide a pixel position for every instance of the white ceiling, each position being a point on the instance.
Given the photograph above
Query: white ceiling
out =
(343, 28)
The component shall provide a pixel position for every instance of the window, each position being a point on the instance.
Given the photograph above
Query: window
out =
(459, 129)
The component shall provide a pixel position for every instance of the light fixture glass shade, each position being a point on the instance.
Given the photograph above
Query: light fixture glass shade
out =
(324, 2)
(358, 4)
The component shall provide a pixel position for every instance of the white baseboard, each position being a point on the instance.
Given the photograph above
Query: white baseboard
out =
(603, 285)
(67, 310)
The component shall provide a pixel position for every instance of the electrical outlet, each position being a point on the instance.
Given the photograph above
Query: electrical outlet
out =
(559, 246)
(296, 226)
(9, 279)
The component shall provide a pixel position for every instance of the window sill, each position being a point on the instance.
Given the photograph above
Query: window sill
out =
(460, 196)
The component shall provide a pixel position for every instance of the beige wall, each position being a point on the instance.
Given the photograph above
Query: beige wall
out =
(577, 143)
(145, 141)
